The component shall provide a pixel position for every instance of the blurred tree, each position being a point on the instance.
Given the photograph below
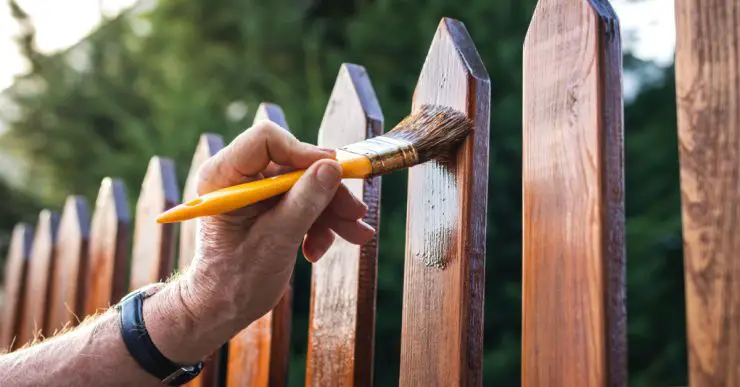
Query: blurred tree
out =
(151, 80)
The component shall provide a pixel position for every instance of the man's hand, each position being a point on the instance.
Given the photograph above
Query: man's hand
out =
(244, 260)
(242, 266)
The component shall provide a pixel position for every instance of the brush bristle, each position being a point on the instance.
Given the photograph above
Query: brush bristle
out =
(435, 131)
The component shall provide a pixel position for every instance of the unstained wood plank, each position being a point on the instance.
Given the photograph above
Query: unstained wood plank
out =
(40, 271)
(573, 310)
(154, 244)
(442, 321)
(208, 145)
(67, 286)
(105, 282)
(343, 289)
(708, 96)
(259, 354)
(16, 266)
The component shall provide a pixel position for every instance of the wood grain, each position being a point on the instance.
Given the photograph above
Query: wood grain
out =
(40, 271)
(573, 310)
(153, 250)
(208, 145)
(67, 286)
(708, 96)
(16, 266)
(343, 288)
(258, 356)
(105, 282)
(442, 323)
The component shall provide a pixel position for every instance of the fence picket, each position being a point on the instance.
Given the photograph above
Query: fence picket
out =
(707, 95)
(105, 282)
(574, 317)
(67, 284)
(342, 309)
(442, 323)
(40, 270)
(208, 145)
(259, 354)
(16, 270)
(153, 249)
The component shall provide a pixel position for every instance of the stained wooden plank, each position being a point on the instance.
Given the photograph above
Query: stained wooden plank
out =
(259, 354)
(442, 323)
(105, 282)
(40, 271)
(708, 96)
(67, 284)
(343, 288)
(16, 266)
(574, 315)
(208, 145)
(153, 249)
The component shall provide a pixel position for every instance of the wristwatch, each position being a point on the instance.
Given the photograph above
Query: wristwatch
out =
(140, 345)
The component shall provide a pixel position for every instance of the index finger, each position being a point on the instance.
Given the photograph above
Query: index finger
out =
(252, 151)
(255, 148)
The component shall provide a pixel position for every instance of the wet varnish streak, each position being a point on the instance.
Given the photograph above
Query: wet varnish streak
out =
(442, 323)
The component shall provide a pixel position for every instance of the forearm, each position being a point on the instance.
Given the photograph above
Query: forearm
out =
(88, 355)
(94, 352)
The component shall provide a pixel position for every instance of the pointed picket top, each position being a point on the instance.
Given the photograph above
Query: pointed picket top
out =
(259, 354)
(446, 226)
(66, 293)
(40, 271)
(342, 308)
(573, 201)
(110, 231)
(352, 102)
(271, 112)
(153, 249)
(208, 145)
(16, 266)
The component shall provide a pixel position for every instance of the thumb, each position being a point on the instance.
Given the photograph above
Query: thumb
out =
(302, 205)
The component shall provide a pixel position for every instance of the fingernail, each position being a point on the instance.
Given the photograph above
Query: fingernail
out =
(328, 176)
(331, 152)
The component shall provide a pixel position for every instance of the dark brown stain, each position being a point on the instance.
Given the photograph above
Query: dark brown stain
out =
(444, 275)
(259, 354)
(343, 289)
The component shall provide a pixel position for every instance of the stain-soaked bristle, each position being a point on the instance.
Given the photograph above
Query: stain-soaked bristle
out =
(433, 130)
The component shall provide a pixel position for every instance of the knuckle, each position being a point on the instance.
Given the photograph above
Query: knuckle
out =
(267, 129)
(205, 175)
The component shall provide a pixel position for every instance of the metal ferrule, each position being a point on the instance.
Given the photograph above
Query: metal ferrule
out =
(385, 154)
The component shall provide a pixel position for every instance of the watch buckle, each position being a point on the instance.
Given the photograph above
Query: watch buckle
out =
(178, 373)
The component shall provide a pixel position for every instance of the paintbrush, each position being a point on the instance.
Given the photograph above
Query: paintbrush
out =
(431, 132)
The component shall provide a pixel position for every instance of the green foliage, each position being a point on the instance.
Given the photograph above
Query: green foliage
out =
(154, 80)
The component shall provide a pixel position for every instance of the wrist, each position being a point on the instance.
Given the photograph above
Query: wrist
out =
(220, 285)
(180, 330)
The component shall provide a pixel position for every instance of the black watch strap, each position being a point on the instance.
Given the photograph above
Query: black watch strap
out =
(143, 350)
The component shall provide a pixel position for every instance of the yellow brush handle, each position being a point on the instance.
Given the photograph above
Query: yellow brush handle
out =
(232, 198)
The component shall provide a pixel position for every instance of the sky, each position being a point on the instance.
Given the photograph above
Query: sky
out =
(60, 24)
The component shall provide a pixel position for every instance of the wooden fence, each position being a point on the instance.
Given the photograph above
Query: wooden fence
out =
(574, 308)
